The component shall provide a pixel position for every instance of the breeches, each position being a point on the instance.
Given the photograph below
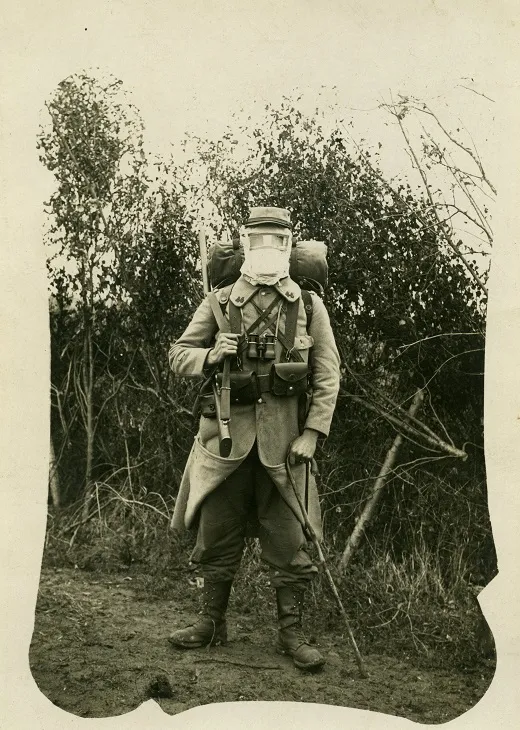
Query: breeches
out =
(249, 495)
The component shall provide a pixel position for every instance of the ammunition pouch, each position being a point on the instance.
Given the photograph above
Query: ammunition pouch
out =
(285, 379)
(289, 378)
(244, 387)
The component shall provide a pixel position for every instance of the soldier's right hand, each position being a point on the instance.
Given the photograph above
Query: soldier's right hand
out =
(226, 343)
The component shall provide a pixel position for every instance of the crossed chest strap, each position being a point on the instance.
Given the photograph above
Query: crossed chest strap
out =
(280, 381)
(266, 319)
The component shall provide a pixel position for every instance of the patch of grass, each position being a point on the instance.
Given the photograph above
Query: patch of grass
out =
(405, 607)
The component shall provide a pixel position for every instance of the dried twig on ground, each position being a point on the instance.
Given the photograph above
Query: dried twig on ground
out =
(237, 663)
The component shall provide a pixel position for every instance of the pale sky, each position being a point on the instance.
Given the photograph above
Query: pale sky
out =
(189, 64)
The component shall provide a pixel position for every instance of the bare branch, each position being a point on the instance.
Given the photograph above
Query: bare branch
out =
(455, 248)
(472, 153)
(165, 397)
(399, 197)
(395, 407)
(115, 390)
(443, 334)
(479, 93)
(441, 424)
(409, 430)
(452, 357)
(483, 227)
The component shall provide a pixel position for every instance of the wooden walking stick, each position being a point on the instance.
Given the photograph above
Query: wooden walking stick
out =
(310, 531)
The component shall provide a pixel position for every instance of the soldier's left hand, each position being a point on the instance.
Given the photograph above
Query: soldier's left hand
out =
(303, 448)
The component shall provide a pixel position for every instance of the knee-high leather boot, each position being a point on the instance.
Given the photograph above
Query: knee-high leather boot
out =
(291, 639)
(211, 628)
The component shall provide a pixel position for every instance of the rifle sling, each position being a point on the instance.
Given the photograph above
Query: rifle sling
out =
(225, 392)
(222, 322)
(225, 389)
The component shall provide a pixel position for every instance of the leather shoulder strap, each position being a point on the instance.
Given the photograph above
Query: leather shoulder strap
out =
(291, 319)
(235, 319)
(307, 302)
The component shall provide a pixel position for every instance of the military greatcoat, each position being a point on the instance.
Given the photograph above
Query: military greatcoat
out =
(273, 423)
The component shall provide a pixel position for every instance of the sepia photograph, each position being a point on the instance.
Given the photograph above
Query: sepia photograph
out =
(265, 240)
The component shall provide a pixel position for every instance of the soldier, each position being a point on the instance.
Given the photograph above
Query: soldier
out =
(279, 337)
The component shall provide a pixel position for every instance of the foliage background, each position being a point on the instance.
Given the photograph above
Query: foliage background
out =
(123, 272)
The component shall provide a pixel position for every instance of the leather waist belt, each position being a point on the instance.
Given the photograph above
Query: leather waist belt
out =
(264, 383)
(285, 379)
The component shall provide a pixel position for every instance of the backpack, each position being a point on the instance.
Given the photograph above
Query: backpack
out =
(308, 264)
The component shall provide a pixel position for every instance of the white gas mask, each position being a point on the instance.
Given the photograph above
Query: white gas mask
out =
(267, 253)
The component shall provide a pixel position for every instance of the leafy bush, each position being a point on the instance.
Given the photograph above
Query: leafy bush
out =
(406, 315)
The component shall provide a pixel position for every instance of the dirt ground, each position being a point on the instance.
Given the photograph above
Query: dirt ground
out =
(99, 649)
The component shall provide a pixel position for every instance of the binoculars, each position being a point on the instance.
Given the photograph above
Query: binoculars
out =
(261, 347)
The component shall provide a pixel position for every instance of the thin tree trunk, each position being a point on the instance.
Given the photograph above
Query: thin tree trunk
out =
(89, 395)
(377, 489)
(128, 464)
(54, 485)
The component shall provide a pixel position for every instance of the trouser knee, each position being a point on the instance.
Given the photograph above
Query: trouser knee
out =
(280, 578)
(289, 564)
(218, 551)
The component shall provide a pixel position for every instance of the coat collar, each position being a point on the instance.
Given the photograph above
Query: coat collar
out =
(289, 289)
(243, 291)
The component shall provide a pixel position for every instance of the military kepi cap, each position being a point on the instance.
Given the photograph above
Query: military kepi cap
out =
(273, 216)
